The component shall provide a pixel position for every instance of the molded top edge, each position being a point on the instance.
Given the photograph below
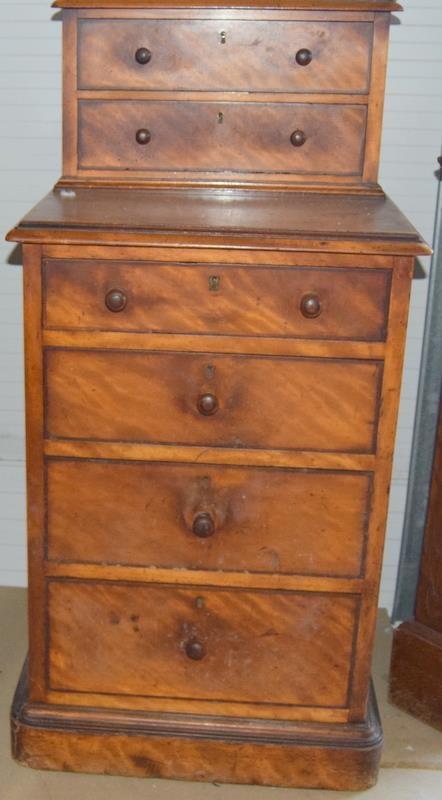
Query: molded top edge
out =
(312, 5)
(212, 213)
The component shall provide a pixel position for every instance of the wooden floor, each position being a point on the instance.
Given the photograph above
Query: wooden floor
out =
(411, 764)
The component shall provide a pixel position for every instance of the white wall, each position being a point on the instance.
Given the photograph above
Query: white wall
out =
(30, 120)
(30, 125)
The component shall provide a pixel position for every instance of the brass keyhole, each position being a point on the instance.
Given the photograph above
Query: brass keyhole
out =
(220, 117)
(214, 282)
(222, 37)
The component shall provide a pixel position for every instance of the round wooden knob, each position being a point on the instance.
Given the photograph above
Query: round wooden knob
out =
(310, 306)
(143, 55)
(207, 404)
(115, 300)
(298, 138)
(203, 525)
(143, 136)
(303, 57)
(195, 650)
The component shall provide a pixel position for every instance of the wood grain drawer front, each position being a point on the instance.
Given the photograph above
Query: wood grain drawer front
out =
(206, 517)
(230, 401)
(224, 55)
(216, 299)
(212, 644)
(218, 137)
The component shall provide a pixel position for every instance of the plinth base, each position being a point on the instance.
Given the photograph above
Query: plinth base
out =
(198, 748)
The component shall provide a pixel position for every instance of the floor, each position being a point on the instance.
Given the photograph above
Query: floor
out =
(411, 764)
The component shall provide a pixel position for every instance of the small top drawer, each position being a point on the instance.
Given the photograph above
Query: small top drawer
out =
(229, 55)
(334, 303)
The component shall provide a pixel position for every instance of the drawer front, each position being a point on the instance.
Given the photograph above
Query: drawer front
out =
(201, 643)
(215, 299)
(208, 137)
(224, 55)
(230, 401)
(207, 517)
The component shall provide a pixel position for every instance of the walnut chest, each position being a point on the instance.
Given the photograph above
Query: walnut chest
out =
(216, 298)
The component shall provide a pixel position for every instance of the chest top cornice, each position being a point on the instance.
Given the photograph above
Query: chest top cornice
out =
(311, 5)
(147, 215)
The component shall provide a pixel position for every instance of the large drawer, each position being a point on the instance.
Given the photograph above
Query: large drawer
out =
(224, 55)
(208, 136)
(207, 517)
(207, 399)
(201, 643)
(217, 299)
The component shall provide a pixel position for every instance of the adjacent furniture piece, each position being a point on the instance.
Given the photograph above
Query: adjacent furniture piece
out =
(213, 364)
(416, 664)
(424, 433)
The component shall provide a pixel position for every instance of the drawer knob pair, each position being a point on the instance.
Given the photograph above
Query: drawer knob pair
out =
(115, 300)
(143, 55)
(303, 57)
(298, 137)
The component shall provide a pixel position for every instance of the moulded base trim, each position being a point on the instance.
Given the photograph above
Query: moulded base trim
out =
(192, 747)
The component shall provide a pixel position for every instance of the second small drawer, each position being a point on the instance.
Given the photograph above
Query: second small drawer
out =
(286, 138)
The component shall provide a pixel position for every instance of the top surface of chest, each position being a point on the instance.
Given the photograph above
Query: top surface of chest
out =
(327, 221)
(286, 95)
(321, 5)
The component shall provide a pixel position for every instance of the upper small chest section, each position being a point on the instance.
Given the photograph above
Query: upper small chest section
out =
(224, 55)
(250, 97)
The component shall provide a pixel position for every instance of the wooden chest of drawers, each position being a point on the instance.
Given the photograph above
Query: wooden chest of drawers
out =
(211, 419)
(212, 379)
